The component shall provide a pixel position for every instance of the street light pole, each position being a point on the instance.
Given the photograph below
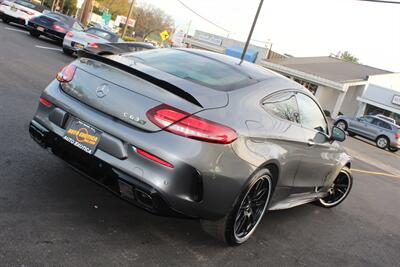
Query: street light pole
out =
(127, 18)
(251, 32)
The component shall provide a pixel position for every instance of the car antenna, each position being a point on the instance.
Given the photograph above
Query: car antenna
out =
(251, 32)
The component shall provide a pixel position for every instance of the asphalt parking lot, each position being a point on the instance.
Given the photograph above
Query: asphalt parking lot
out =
(52, 216)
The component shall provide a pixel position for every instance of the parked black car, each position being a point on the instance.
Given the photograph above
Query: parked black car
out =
(118, 48)
(53, 25)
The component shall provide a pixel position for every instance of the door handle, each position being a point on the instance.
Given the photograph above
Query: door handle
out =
(310, 143)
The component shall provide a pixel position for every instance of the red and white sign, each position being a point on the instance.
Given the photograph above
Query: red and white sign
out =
(121, 20)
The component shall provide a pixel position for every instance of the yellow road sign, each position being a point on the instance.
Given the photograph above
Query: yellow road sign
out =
(164, 35)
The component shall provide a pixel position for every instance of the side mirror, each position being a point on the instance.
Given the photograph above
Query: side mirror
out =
(338, 134)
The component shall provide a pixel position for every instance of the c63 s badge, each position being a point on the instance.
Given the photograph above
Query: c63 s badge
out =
(134, 118)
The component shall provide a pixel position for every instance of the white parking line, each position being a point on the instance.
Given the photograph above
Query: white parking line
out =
(49, 48)
(16, 30)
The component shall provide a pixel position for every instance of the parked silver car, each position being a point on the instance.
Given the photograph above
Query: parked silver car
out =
(76, 40)
(384, 133)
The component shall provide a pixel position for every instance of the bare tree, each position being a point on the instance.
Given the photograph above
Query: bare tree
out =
(150, 19)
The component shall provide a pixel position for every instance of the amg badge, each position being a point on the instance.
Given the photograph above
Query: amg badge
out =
(134, 118)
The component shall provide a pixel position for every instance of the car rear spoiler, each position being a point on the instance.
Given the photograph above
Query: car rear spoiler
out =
(160, 83)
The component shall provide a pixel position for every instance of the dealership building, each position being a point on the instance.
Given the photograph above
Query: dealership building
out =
(225, 45)
(343, 87)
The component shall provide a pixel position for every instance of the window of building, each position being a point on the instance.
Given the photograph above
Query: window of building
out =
(310, 86)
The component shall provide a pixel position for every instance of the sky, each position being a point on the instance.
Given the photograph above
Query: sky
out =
(302, 28)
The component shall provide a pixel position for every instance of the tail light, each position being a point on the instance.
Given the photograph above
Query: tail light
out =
(66, 74)
(70, 34)
(181, 123)
(45, 102)
(153, 157)
(58, 28)
(397, 136)
(93, 45)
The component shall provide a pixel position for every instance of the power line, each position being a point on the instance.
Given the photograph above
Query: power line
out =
(209, 21)
(381, 1)
(216, 25)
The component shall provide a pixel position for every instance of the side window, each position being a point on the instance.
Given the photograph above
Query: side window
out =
(310, 115)
(283, 105)
(381, 124)
(366, 119)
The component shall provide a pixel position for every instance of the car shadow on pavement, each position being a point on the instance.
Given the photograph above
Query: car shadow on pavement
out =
(97, 210)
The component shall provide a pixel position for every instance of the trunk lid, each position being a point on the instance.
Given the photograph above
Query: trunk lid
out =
(102, 84)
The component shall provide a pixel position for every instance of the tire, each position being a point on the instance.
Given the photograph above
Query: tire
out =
(67, 51)
(382, 142)
(341, 124)
(5, 20)
(335, 196)
(239, 217)
(393, 149)
(34, 34)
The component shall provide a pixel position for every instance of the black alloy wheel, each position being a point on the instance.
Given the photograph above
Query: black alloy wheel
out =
(241, 222)
(339, 189)
(252, 208)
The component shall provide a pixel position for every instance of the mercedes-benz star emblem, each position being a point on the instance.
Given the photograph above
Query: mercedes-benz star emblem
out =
(102, 90)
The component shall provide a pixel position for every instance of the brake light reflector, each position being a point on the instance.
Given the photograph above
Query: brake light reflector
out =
(66, 74)
(93, 45)
(70, 34)
(58, 28)
(45, 102)
(182, 123)
(153, 158)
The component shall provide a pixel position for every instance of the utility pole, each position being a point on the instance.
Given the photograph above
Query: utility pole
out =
(54, 5)
(251, 32)
(127, 19)
(86, 10)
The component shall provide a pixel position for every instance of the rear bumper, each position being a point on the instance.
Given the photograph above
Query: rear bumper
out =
(206, 178)
(99, 171)
(57, 36)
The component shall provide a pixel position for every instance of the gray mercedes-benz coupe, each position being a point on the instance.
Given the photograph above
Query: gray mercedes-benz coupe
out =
(194, 133)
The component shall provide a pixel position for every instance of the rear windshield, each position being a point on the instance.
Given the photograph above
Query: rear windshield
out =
(196, 68)
(30, 5)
